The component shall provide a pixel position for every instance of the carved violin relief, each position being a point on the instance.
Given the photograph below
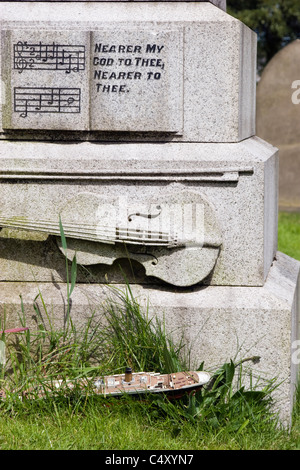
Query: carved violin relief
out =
(174, 235)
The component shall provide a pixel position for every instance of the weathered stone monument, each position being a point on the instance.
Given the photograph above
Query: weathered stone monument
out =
(135, 123)
(278, 117)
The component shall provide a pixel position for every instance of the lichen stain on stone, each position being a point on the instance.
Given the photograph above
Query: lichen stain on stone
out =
(22, 234)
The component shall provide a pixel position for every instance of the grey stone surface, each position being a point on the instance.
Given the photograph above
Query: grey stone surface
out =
(218, 3)
(140, 85)
(278, 117)
(208, 97)
(239, 182)
(217, 323)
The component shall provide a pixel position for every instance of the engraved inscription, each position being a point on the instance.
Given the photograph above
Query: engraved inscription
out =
(136, 80)
(46, 100)
(48, 57)
(115, 71)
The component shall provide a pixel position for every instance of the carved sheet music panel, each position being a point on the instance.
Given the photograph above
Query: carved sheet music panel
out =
(93, 80)
(49, 76)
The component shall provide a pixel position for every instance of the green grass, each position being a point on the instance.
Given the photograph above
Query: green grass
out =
(289, 234)
(109, 426)
(126, 424)
(226, 415)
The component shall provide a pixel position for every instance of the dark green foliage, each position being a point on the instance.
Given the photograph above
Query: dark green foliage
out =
(276, 22)
(222, 404)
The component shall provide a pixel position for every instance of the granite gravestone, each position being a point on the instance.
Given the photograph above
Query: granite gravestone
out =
(135, 123)
(278, 117)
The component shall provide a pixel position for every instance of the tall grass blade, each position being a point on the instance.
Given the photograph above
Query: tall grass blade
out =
(62, 235)
(73, 274)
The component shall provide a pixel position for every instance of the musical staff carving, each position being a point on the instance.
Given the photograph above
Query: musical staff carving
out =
(70, 58)
(46, 100)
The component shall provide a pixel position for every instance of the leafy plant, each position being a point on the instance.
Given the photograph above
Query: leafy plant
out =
(222, 403)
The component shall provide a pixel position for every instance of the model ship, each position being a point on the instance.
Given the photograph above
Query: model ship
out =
(174, 385)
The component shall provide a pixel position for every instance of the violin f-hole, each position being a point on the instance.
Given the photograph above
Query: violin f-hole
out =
(146, 216)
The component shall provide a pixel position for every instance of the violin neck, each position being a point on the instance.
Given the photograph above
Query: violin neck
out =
(96, 233)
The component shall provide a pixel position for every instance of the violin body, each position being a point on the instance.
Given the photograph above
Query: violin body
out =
(185, 259)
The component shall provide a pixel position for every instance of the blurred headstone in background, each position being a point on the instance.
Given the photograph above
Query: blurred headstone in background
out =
(278, 119)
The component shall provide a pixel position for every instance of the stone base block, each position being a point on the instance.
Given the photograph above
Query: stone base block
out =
(217, 323)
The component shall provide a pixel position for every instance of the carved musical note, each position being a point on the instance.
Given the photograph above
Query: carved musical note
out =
(70, 58)
(46, 100)
(49, 52)
(25, 109)
(39, 101)
(51, 100)
(66, 62)
(70, 101)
